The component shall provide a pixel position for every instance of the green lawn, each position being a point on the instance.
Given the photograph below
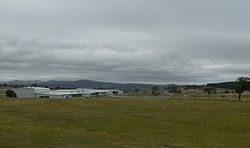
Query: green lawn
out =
(99, 123)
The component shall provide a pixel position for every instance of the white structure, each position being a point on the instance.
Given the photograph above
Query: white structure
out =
(24, 92)
(61, 94)
(40, 92)
(99, 92)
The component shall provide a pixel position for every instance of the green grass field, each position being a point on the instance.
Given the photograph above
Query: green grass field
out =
(152, 123)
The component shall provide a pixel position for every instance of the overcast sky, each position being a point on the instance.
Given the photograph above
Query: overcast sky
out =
(148, 41)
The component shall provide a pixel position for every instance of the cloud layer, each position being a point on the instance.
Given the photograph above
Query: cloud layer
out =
(146, 41)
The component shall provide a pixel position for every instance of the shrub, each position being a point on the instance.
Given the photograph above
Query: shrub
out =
(10, 94)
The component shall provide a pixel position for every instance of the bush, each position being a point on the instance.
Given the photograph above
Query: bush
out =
(10, 94)
(156, 91)
(226, 92)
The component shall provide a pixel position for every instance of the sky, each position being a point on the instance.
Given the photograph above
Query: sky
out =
(145, 41)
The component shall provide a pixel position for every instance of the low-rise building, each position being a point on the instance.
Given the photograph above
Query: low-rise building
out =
(24, 92)
(40, 92)
(100, 92)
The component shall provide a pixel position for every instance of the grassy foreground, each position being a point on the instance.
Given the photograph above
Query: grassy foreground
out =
(124, 123)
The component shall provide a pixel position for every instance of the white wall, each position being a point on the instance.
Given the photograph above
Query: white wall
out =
(24, 92)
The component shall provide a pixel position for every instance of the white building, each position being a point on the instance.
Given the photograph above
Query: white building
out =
(40, 92)
(99, 92)
(24, 92)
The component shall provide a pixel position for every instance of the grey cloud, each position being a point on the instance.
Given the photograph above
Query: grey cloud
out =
(115, 60)
(160, 41)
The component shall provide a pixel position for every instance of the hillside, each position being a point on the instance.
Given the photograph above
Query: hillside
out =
(109, 85)
(226, 85)
(83, 84)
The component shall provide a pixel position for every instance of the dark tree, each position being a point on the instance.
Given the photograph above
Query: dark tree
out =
(173, 89)
(34, 85)
(178, 91)
(226, 92)
(136, 90)
(209, 90)
(156, 91)
(10, 94)
(242, 85)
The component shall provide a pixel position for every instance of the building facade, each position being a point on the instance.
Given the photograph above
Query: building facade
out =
(40, 92)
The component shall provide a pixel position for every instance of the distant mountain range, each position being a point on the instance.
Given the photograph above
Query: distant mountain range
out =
(83, 84)
(109, 85)
(226, 85)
